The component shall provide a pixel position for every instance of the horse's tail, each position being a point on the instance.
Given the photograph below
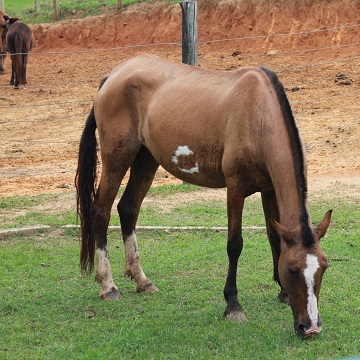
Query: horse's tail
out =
(85, 186)
(18, 57)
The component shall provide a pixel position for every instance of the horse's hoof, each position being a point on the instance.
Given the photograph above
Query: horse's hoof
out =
(113, 294)
(147, 287)
(236, 316)
(284, 297)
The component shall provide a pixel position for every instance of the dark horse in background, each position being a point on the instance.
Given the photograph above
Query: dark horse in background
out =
(210, 128)
(19, 41)
(4, 18)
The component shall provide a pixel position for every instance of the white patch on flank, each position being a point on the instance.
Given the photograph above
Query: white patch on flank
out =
(193, 170)
(184, 151)
(312, 264)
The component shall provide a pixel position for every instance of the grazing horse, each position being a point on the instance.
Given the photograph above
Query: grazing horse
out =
(19, 41)
(209, 128)
(3, 22)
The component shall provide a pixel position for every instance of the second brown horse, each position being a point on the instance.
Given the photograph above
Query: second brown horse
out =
(19, 41)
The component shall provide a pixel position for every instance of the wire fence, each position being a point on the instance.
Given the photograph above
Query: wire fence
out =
(38, 113)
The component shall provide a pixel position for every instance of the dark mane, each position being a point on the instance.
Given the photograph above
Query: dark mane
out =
(297, 152)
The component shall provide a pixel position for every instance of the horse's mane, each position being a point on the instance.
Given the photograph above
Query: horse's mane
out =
(297, 152)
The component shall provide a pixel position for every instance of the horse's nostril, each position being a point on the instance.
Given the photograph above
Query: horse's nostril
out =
(301, 328)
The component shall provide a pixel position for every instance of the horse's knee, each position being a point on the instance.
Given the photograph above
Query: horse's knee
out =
(235, 245)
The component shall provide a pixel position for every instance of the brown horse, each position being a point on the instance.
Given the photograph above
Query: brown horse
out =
(19, 41)
(213, 129)
(3, 22)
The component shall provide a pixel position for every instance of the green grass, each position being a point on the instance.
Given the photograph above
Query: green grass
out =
(67, 9)
(49, 311)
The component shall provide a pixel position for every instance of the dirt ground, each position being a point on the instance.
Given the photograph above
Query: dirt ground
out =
(42, 123)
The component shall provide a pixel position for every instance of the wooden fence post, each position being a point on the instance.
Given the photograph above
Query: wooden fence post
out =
(119, 6)
(37, 5)
(2, 5)
(56, 10)
(189, 32)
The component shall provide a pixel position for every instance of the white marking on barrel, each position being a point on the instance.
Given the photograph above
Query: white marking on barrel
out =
(185, 151)
(312, 264)
(193, 170)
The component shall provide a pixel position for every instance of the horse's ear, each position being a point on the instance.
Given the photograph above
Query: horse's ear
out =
(284, 233)
(12, 20)
(324, 225)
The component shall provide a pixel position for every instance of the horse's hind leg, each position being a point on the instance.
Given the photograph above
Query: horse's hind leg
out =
(111, 177)
(23, 77)
(13, 69)
(141, 176)
(105, 196)
(272, 213)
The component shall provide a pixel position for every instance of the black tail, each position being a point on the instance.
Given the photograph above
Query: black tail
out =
(85, 186)
(18, 58)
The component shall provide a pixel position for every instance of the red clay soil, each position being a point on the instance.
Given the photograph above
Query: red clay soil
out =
(42, 124)
(159, 22)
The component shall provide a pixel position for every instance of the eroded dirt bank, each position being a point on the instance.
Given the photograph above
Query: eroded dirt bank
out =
(158, 22)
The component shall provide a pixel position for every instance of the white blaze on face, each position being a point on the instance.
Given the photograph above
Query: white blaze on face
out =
(312, 264)
(185, 151)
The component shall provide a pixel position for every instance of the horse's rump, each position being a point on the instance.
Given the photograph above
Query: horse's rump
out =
(19, 41)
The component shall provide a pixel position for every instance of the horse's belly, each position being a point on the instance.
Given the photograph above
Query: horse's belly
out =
(197, 177)
(190, 165)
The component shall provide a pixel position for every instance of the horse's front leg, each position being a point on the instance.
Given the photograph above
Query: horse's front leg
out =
(272, 213)
(235, 203)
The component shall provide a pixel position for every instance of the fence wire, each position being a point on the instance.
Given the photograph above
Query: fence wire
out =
(7, 154)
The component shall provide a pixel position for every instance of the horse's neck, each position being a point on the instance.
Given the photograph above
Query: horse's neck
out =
(291, 207)
(290, 191)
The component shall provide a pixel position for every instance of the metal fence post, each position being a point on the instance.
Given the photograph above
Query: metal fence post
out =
(189, 32)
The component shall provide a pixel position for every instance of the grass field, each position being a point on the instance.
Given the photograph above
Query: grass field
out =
(74, 8)
(49, 311)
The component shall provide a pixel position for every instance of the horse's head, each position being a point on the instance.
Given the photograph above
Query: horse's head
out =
(302, 264)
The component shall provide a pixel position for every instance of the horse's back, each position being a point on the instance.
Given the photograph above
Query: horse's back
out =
(24, 33)
(194, 121)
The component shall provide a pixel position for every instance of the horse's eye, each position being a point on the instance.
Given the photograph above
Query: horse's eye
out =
(293, 270)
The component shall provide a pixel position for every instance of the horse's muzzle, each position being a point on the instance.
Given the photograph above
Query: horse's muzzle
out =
(306, 330)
